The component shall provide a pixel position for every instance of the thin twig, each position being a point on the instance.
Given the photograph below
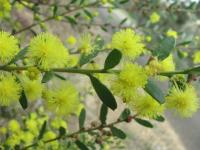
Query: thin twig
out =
(53, 17)
(82, 131)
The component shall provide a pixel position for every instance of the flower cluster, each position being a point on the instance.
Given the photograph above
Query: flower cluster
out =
(27, 132)
(132, 78)
(46, 54)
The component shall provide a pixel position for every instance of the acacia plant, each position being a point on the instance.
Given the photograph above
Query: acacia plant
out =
(124, 59)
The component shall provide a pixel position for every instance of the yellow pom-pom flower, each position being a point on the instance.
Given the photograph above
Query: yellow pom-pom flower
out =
(128, 43)
(3, 130)
(184, 102)
(172, 33)
(13, 126)
(9, 90)
(47, 51)
(27, 137)
(72, 60)
(129, 79)
(33, 73)
(32, 88)
(155, 17)
(146, 106)
(13, 140)
(32, 126)
(58, 122)
(86, 43)
(71, 40)
(8, 47)
(52, 145)
(5, 8)
(64, 100)
(148, 38)
(156, 66)
(196, 57)
(104, 1)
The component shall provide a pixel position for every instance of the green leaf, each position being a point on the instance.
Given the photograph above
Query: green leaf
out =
(23, 100)
(160, 118)
(62, 131)
(124, 115)
(113, 59)
(55, 9)
(20, 55)
(123, 21)
(81, 145)
(123, 1)
(47, 76)
(144, 123)
(82, 1)
(82, 118)
(104, 93)
(164, 48)
(103, 28)
(184, 43)
(118, 133)
(88, 13)
(103, 114)
(59, 76)
(42, 130)
(71, 20)
(152, 89)
(73, 1)
(86, 58)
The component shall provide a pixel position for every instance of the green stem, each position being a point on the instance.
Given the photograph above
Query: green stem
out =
(194, 70)
(82, 131)
(68, 70)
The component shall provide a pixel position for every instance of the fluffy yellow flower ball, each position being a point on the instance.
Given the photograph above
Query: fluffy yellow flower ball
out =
(146, 106)
(47, 51)
(8, 47)
(10, 90)
(128, 43)
(13, 126)
(155, 17)
(129, 80)
(52, 145)
(86, 44)
(64, 100)
(32, 88)
(27, 137)
(32, 126)
(72, 61)
(196, 57)
(172, 33)
(5, 8)
(71, 40)
(58, 122)
(155, 66)
(184, 102)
